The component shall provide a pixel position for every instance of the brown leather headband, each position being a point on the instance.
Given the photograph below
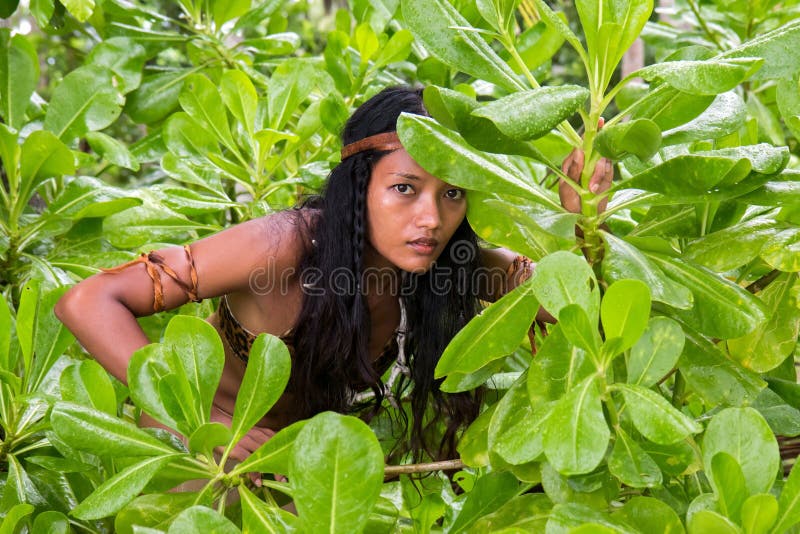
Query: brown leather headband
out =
(381, 141)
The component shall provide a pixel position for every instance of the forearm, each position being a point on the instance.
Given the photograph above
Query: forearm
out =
(105, 327)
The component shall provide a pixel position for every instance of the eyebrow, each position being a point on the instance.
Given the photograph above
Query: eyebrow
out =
(407, 175)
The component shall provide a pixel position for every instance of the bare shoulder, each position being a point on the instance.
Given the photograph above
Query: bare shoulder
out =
(227, 261)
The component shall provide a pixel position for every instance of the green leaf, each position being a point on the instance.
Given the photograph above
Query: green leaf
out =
(623, 260)
(436, 24)
(705, 521)
(789, 502)
(782, 250)
(336, 469)
(525, 513)
(264, 380)
(146, 368)
(185, 137)
(631, 465)
(112, 150)
(258, 516)
(522, 227)
(289, 86)
(656, 352)
(772, 46)
(333, 113)
(572, 515)
(240, 97)
(499, 14)
(773, 340)
(515, 429)
(561, 27)
(563, 278)
(124, 57)
(707, 77)
(199, 349)
(730, 247)
(745, 435)
(725, 115)
(640, 137)
(7, 357)
(579, 330)
(447, 155)
(559, 366)
(366, 42)
(156, 97)
(729, 484)
(531, 114)
(43, 156)
(191, 203)
(624, 311)
(19, 74)
(764, 158)
(688, 176)
(87, 383)
(673, 459)
(536, 45)
(85, 100)
(273, 456)
(202, 519)
(396, 49)
(454, 110)
(721, 309)
(495, 333)
(16, 518)
(225, 10)
(150, 223)
(610, 29)
(201, 100)
(759, 513)
(80, 9)
(473, 447)
(782, 418)
(576, 434)
(490, 492)
(715, 377)
(648, 514)
(47, 337)
(120, 489)
(93, 431)
(208, 436)
(152, 510)
(668, 107)
(654, 416)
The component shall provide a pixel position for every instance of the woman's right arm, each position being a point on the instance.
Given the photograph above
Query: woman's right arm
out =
(101, 311)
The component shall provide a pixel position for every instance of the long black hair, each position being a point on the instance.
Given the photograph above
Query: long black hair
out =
(331, 334)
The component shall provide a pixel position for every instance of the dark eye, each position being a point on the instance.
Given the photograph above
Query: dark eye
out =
(403, 189)
(455, 194)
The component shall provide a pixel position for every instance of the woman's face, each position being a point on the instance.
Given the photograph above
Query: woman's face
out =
(411, 214)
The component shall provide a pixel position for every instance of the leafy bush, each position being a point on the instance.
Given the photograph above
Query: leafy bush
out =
(652, 404)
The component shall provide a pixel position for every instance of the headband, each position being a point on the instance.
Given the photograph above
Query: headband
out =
(381, 141)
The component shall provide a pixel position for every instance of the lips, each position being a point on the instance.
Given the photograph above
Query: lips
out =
(424, 245)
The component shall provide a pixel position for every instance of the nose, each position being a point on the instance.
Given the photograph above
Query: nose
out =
(428, 214)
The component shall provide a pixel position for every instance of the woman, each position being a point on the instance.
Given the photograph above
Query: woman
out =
(333, 278)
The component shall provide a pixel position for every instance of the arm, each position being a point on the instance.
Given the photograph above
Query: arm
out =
(101, 311)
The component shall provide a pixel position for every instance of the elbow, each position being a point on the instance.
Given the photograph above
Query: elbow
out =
(69, 307)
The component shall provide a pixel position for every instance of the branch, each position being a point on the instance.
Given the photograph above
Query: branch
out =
(763, 282)
(395, 470)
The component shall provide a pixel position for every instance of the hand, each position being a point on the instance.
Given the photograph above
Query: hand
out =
(251, 441)
(600, 181)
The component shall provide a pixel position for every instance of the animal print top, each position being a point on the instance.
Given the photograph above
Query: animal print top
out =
(241, 340)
